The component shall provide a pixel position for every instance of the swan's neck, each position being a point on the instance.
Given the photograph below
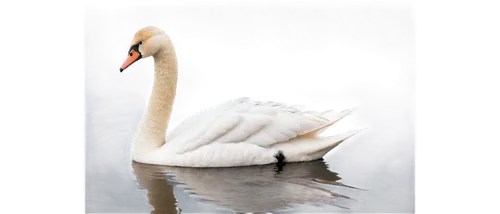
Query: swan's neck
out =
(152, 131)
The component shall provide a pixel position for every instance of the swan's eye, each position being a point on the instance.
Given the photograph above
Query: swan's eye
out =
(140, 43)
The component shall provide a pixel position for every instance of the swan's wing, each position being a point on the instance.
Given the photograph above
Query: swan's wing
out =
(244, 121)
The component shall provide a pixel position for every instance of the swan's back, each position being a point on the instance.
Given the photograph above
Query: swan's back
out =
(243, 120)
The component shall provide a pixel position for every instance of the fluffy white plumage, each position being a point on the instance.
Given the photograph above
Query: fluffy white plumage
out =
(245, 132)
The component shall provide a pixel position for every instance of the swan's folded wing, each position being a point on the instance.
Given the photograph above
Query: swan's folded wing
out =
(244, 121)
(197, 124)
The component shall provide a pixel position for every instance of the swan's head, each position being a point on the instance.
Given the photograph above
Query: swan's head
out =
(146, 42)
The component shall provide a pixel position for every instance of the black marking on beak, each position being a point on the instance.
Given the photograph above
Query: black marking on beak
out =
(133, 48)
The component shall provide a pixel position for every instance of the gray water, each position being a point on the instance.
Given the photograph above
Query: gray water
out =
(114, 184)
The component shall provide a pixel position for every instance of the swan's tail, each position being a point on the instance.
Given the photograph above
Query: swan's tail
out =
(331, 142)
(326, 144)
(310, 146)
(332, 118)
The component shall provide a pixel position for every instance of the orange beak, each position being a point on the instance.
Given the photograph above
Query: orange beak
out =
(133, 56)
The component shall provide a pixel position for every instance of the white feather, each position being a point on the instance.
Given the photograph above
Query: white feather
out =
(246, 132)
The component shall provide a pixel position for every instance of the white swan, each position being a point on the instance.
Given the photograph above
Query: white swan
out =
(238, 132)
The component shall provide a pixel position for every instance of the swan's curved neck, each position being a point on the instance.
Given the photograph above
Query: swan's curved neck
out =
(152, 131)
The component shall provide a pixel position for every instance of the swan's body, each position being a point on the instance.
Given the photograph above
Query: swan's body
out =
(235, 133)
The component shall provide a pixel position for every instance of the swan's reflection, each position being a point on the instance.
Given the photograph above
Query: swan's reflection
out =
(242, 189)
